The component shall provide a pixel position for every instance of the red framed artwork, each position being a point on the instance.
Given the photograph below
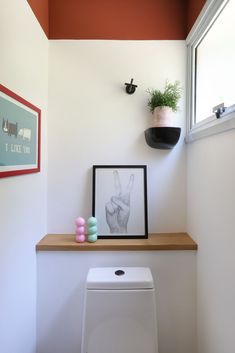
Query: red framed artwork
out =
(20, 135)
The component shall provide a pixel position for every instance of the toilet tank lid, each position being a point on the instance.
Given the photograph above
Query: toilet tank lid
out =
(119, 278)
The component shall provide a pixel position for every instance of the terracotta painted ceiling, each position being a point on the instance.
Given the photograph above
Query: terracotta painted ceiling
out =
(117, 19)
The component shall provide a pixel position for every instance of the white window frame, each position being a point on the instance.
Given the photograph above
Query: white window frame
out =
(211, 125)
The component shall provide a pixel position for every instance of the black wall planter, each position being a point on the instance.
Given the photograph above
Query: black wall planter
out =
(163, 138)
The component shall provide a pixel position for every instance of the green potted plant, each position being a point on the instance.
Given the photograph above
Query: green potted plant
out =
(163, 103)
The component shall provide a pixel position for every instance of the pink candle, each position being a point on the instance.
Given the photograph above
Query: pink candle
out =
(80, 230)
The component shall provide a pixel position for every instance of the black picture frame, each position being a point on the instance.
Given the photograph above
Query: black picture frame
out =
(119, 201)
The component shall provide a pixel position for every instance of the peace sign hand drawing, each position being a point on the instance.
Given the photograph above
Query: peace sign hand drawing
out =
(117, 210)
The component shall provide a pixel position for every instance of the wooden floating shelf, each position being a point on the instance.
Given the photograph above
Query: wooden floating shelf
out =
(163, 138)
(162, 241)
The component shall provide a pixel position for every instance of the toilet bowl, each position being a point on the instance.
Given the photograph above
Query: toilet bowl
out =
(119, 311)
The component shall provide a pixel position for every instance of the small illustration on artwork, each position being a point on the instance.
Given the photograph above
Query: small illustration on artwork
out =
(118, 208)
(9, 128)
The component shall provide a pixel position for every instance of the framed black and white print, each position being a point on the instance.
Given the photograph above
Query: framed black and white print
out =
(119, 201)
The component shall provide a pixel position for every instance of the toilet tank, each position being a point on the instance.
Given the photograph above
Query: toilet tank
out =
(119, 311)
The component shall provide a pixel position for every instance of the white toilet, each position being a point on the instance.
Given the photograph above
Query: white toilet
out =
(119, 311)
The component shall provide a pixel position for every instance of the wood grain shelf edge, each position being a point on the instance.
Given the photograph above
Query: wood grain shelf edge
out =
(159, 241)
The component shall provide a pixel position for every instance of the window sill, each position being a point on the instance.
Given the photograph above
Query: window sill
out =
(212, 127)
(163, 241)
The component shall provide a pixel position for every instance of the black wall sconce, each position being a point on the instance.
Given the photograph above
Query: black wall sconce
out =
(130, 88)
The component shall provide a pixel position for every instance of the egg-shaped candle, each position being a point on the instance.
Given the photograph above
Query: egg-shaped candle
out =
(80, 221)
(92, 221)
(92, 229)
(80, 238)
(80, 230)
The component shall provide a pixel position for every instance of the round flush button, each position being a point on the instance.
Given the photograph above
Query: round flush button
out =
(119, 273)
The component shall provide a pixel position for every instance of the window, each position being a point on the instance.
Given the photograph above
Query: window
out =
(211, 70)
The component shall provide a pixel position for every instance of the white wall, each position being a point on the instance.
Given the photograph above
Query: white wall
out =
(61, 288)
(211, 222)
(24, 70)
(93, 121)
